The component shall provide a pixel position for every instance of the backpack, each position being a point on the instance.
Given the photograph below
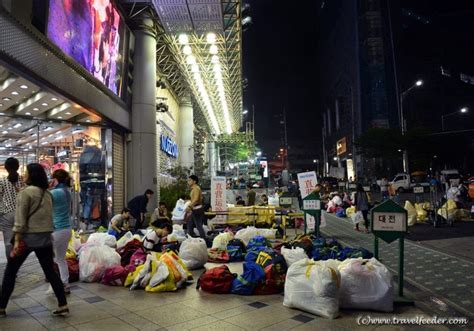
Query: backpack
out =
(245, 284)
(265, 259)
(252, 255)
(217, 280)
(274, 281)
(239, 243)
(217, 256)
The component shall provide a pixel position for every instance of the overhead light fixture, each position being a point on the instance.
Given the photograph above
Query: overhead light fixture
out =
(194, 68)
(59, 137)
(44, 104)
(15, 93)
(187, 50)
(35, 109)
(77, 106)
(2, 113)
(17, 125)
(1, 104)
(183, 39)
(2, 148)
(30, 130)
(60, 117)
(6, 99)
(44, 143)
(215, 59)
(48, 128)
(9, 128)
(213, 49)
(54, 99)
(4, 132)
(191, 59)
(27, 113)
(8, 145)
(24, 86)
(68, 113)
(88, 121)
(211, 38)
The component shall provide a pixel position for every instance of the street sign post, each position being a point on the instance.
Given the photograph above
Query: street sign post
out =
(312, 209)
(389, 223)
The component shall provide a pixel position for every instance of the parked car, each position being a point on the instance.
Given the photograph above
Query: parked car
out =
(404, 182)
(452, 176)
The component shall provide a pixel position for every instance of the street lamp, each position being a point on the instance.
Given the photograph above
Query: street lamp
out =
(245, 112)
(403, 125)
(463, 110)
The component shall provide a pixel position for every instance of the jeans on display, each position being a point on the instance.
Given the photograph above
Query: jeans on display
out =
(196, 221)
(60, 243)
(45, 257)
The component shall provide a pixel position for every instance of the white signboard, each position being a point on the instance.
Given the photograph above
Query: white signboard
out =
(418, 189)
(367, 188)
(310, 223)
(218, 197)
(390, 222)
(307, 182)
(311, 204)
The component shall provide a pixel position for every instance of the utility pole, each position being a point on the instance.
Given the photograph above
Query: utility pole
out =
(287, 164)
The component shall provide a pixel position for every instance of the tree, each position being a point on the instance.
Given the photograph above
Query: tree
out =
(170, 193)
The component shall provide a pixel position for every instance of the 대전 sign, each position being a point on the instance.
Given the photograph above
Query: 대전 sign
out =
(168, 146)
(389, 222)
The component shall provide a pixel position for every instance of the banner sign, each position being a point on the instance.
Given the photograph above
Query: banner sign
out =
(219, 197)
(307, 182)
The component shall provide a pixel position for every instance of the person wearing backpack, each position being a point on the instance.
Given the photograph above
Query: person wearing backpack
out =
(9, 188)
(62, 224)
(32, 233)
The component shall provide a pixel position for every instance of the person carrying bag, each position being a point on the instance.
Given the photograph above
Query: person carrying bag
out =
(32, 233)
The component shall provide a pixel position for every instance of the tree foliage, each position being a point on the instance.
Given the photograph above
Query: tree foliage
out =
(170, 193)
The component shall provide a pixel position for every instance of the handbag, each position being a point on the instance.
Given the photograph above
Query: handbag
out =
(22, 247)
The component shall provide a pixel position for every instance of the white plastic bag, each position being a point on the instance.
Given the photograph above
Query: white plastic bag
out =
(366, 284)
(220, 242)
(246, 234)
(357, 218)
(178, 233)
(313, 287)
(337, 200)
(162, 272)
(193, 252)
(179, 211)
(126, 238)
(293, 255)
(267, 233)
(102, 239)
(144, 276)
(94, 260)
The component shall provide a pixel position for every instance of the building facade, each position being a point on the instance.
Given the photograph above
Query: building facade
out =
(104, 89)
(358, 87)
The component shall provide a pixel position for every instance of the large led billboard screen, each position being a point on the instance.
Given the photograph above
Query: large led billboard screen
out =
(92, 33)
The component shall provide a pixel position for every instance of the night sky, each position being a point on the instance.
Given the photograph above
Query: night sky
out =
(279, 61)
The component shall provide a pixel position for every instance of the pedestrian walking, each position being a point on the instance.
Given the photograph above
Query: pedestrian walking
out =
(196, 208)
(9, 188)
(32, 233)
(62, 224)
(251, 195)
(362, 205)
(384, 188)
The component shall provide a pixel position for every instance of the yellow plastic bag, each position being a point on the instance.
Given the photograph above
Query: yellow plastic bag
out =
(132, 275)
(350, 211)
(448, 210)
(421, 214)
(169, 285)
(411, 213)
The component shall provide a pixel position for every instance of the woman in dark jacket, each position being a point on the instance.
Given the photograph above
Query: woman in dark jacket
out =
(32, 233)
(362, 205)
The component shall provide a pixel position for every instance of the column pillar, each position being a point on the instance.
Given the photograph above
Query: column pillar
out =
(212, 158)
(186, 134)
(143, 146)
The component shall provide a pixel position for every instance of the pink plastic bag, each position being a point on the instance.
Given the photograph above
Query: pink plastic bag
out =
(138, 258)
(115, 276)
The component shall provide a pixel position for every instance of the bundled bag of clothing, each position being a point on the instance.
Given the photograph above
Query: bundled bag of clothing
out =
(217, 280)
(115, 275)
(313, 287)
(366, 284)
(193, 252)
(257, 242)
(236, 250)
(246, 283)
(246, 234)
(94, 260)
(218, 256)
(101, 239)
(221, 241)
(293, 255)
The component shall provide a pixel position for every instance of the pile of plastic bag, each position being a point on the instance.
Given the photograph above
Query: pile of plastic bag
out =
(448, 211)
(411, 213)
(100, 239)
(160, 273)
(322, 287)
(94, 260)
